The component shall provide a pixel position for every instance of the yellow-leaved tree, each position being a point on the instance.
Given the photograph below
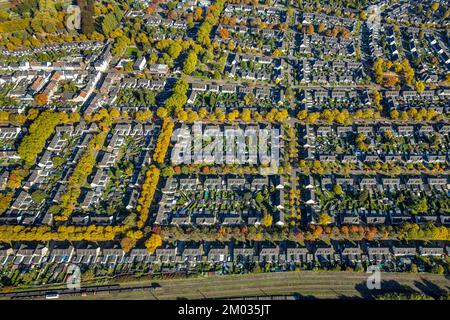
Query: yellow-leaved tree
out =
(153, 242)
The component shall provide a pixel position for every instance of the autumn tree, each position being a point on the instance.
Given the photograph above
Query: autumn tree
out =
(378, 70)
(83, 169)
(224, 34)
(312, 117)
(277, 53)
(394, 114)
(192, 116)
(407, 72)
(178, 98)
(161, 112)
(377, 99)
(337, 189)
(15, 178)
(302, 114)
(143, 116)
(38, 133)
(41, 99)
(154, 242)
(198, 13)
(420, 86)
(219, 115)
(163, 141)
(267, 220)
(147, 194)
(190, 63)
(127, 244)
(32, 114)
(246, 115)
(324, 219)
(363, 15)
(435, 6)
(233, 115)
(321, 27)
(5, 201)
(390, 80)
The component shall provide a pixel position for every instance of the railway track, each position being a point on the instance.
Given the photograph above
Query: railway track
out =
(320, 284)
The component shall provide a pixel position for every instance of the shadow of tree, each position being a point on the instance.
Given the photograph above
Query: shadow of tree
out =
(155, 285)
(447, 277)
(390, 286)
(299, 296)
(429, 288)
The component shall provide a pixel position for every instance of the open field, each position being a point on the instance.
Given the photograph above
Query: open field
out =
(305, 285)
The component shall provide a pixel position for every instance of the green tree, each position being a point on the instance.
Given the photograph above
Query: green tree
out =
(38, 196)
(109, 22)
(190, 63)
(38, 133)
(338, 190)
